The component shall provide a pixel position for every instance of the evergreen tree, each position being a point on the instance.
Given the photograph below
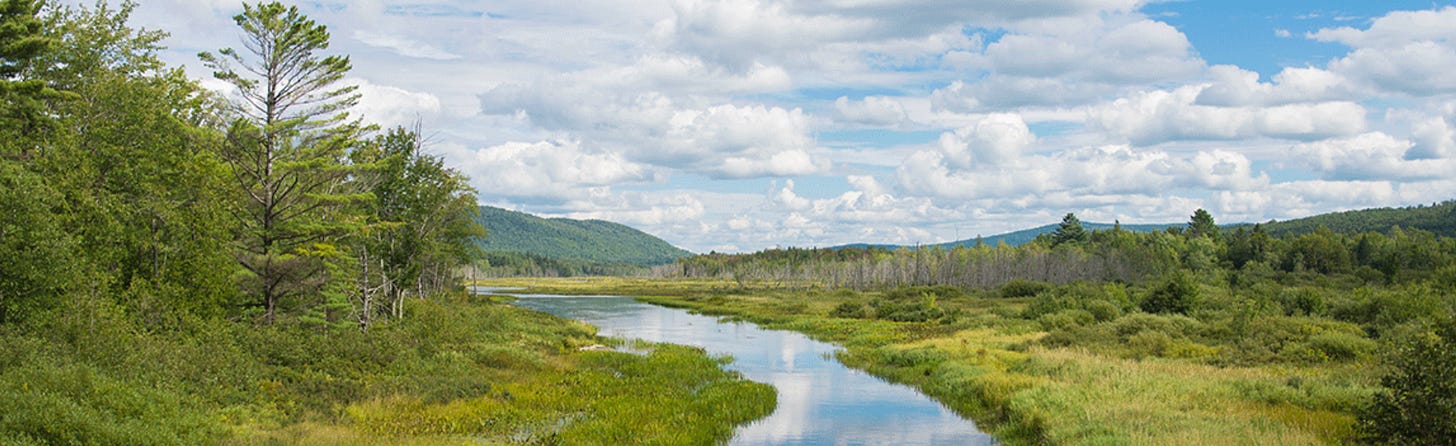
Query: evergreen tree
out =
(286, 150)
(1069, 231)
(1201, 225)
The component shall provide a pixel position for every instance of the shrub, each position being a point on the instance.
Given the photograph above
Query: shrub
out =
(852, 310)
(1178, 294)
(1418, 403)
(1023, 288)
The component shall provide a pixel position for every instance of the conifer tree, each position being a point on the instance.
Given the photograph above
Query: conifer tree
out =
(286, 149)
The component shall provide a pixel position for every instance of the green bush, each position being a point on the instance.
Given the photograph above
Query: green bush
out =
(852, 310)
(1178, 294)
(1023, 288)
(1418, 403)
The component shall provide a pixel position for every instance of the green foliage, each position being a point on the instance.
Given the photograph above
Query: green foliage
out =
(1417, 405)
(1177, 294)
(1023, 288)
(560, 238)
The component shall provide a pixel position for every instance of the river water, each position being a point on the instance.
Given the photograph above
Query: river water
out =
(820, 401)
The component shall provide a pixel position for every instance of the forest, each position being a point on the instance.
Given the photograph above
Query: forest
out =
(182, 266)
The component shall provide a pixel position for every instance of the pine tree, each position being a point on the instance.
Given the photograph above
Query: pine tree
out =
(1069, 231)
(286, 149)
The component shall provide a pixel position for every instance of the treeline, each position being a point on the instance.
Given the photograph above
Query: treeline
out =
(1073, 254)
(1438, 218)
(510, 264)
(123, 183)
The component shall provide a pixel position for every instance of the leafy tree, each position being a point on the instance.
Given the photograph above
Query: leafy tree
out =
(286, 149)
(1201, 225)
(1418, 404)
(424, 222)
(136, 163)
(36, 262)
(1069, 231)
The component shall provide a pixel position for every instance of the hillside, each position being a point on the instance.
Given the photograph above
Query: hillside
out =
(1025, 235)
(562, 238)
(1439, 219)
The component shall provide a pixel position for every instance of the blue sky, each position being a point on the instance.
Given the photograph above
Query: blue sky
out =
(738, 125)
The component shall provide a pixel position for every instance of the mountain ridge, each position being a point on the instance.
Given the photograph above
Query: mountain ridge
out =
(564, 238)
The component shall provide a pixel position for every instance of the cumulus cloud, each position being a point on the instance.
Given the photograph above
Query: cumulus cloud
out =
(392, 106)
(1370, 156)
(1408, 52)
(1232, 86)
(1157, 116)
(880, 111)
(726, 141)
(1067, 62)
(552, 171)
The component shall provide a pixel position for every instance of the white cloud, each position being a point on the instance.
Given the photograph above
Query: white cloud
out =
(403, 46)
(548, 170)
(1233, 86)
(1370, 156)
(1157, 116)
(878, 111)
(1409, 52)
(1070, 62)
(992, 140)
(392, 106)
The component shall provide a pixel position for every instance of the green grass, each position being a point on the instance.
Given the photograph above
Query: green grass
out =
(459, 371)
(1165, 381)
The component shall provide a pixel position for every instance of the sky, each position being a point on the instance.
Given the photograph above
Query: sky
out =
(740, 125)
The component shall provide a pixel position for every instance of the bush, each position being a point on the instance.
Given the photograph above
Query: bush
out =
(852, 310)
(1023, 288)
(1418, 403)
(1178, 294)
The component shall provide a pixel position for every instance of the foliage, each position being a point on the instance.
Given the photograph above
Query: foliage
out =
(1417, 402)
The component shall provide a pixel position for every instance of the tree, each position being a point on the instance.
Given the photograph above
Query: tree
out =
(286, 148)
(21, 97)
(1201, 225)
(423, 223)
(1418, 403)
(1069, 231)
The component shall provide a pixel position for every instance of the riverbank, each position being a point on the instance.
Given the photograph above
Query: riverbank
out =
(460, 370)
(979, 353)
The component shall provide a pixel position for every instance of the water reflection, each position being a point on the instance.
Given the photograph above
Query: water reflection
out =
(821, 402)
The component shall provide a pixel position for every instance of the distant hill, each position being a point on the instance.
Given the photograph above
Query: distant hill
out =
(1439, 219)
(1027, 235)
(563, 238)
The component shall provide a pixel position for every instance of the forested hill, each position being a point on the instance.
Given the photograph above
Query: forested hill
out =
(562, 238)
(1025, 236)
(1439, 219)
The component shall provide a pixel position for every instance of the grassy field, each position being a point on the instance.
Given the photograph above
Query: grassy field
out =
(461, 371)
(992, 358)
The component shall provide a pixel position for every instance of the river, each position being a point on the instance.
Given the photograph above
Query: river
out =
(820, 402)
